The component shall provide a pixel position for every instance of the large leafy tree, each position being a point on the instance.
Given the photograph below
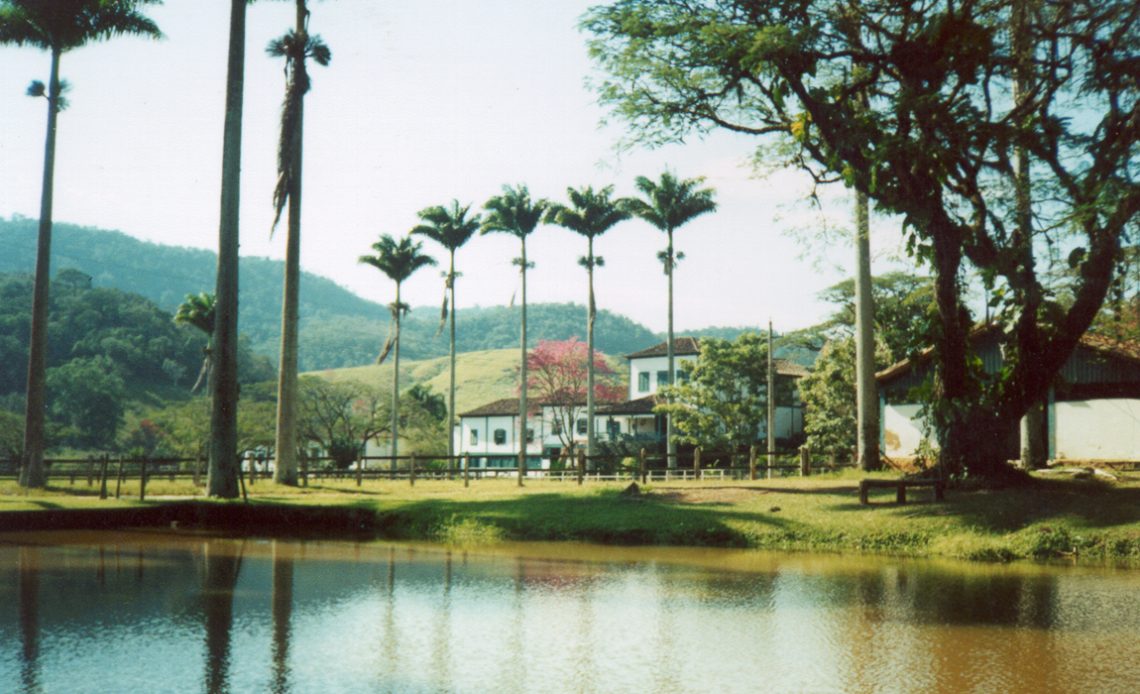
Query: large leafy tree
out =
(296, 47)
(669, 204)
(514, 212)
(450, 227)
(223, 466)
(398, 260)
(590, 213)
(56, 26)
(911, 104)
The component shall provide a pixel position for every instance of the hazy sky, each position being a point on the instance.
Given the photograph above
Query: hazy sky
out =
(423, 102)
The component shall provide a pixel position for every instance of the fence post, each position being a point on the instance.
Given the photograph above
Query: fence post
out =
(197, 471)
(467, 470)
(360, 470)
(90, 470)
(142, 480)
(412, 472)
(805, 461)
(697, 463)
(641, 465)
(581, 466)
(304, 470)
(103, 477)
(119, 479)
(752, 462)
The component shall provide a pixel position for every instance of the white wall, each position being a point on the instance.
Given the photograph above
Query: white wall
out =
(1097, 430)
(652, 365)
(902, 429)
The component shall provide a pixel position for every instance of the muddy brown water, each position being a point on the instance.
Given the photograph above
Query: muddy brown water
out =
(151, 611)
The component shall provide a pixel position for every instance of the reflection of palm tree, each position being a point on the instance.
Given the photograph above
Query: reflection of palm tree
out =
(282, 614)
(671, 203)
(197, 311)
(591, 214)
(295, 46)
(451, 228)
(29, 587)
(514, 213)
(222, 480)
(398, 260)
(219, 580)
(57, 27)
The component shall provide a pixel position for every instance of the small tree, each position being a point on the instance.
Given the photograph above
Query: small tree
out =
(558, 373)
(341, 417)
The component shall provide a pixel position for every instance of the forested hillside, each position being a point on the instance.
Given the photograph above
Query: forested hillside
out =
(337, 328)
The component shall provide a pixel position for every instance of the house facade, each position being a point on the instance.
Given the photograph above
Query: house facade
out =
(1092, 411)
(490, 433)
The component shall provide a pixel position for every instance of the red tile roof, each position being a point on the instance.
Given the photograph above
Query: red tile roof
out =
(681, 346)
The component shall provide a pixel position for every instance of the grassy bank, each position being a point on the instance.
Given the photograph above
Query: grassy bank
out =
(1049, 519)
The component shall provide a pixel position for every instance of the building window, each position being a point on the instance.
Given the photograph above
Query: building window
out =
(662, 378)
(613, 427)
(474, 437)
(530, 435)
(581, 426)
(643, 382)
(500, 437)
(556, 427)
(682, 376)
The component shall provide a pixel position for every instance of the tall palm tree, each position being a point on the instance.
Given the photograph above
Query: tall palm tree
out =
(221, 479)
(451, 228)
(57, 27)
(591, 213)
(295, 46)
(513, 212)
(669, 204)
(398, 260)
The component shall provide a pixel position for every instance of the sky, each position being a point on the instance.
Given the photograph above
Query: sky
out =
(423, 102)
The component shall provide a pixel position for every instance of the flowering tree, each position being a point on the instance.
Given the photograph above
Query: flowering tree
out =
(558, 373)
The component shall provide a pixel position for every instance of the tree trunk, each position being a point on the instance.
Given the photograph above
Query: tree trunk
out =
(396, 385)
(32, 473)
(867, 396)
(285, 471)
(523, 374)
(670, 443)
(222, 476)
(591, 314)
(451, 376)
(771, 427)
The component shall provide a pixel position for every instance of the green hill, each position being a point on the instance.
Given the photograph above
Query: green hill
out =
(337, 328)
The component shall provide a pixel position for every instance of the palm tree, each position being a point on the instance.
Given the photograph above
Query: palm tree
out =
(591, 214)
(198, 311)
(398, 260)
(295, 46)
(222, 476)
(671, 203)
(451, 228)
(515, 213)
(57, 27)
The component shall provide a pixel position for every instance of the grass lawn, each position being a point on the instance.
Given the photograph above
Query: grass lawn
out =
(1048, 519)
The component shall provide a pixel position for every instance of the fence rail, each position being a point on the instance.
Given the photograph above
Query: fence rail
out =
(111, 474)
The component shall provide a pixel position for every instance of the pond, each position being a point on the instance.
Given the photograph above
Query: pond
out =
(149, 611)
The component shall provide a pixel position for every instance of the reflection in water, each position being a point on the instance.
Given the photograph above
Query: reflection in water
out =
(297, 617)
(220, 575)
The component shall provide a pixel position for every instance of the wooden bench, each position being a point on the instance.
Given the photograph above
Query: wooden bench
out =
(900, 486)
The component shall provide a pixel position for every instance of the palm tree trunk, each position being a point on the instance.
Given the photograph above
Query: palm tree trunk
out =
(867, 397)
(591, 435)
(670, 443)
(285, 471)
(396, 386)
(32, 472)
(451, 376)
(222, 477)
(522, 372)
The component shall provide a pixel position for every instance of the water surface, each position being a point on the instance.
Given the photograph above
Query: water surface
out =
(164, 612)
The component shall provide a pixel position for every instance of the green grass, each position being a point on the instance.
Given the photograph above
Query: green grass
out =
(1048, 519)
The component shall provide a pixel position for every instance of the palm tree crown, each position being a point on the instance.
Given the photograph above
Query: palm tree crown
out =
(61, 25)
(513, 212)
(197, 311)
(671, 202)
(448, 226)
(397, 259)
(590, 213)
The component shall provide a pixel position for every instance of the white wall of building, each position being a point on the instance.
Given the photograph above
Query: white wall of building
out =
(902, 429)
(651, 366)
(1097, 430)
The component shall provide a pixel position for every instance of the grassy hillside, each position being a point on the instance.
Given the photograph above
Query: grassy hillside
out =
(480, 377)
